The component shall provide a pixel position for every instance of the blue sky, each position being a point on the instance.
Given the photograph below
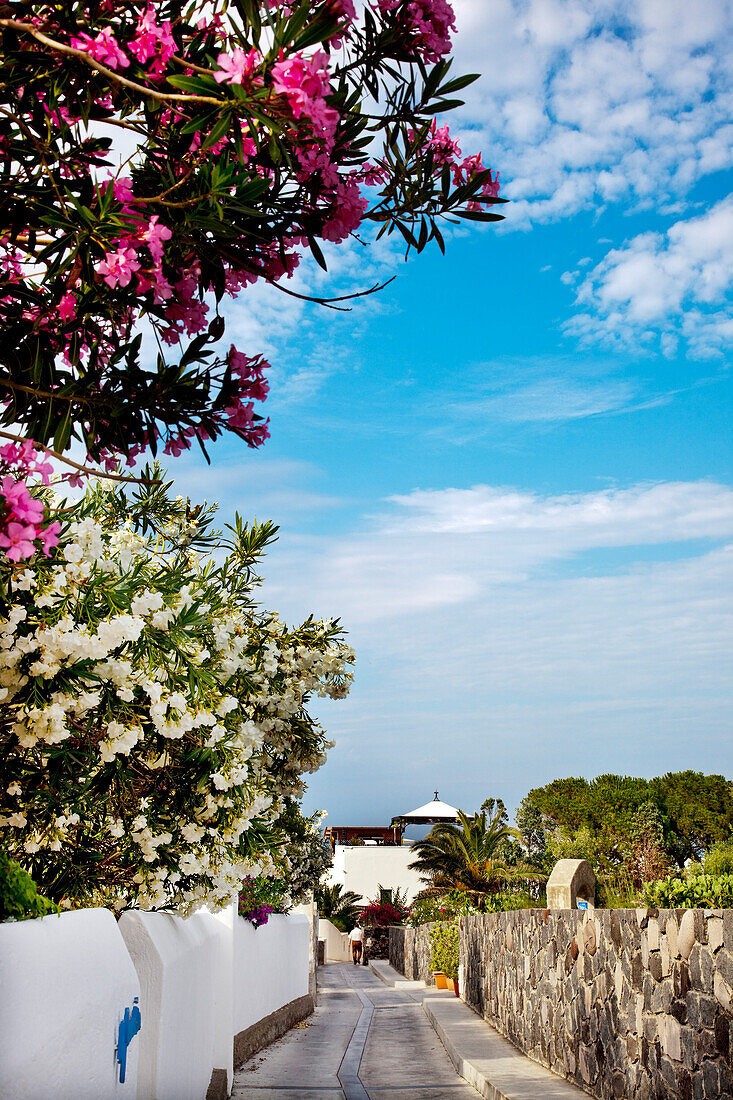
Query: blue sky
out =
(510, 473)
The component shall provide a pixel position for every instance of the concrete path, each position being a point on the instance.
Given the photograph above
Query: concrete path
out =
(495, 1068)
(364, 1041)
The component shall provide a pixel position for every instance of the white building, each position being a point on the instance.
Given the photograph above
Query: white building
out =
(381, 857)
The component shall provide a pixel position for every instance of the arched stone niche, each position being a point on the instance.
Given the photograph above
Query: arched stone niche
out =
(572, 885)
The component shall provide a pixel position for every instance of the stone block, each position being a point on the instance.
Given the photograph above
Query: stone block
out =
(686, 937)
(724, 965)
(715, 933)
(688, 1047)
(655, 966)
(669, 1037)
(722, 992)
(663, 996)
(728, 928)
(722, 1037)
(652, 932)
(681, 979)
(571, 881)
(711, 1080)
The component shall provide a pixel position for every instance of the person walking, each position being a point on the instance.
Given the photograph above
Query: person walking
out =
(356, 943)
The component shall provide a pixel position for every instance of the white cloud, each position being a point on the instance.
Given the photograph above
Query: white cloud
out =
(453, 547)
(660, 287)
(505, 637)
(585, 102)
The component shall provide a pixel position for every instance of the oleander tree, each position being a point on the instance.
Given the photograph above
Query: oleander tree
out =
(159, 156)
(154, 726)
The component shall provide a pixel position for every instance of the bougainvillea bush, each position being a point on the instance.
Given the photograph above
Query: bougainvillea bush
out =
(380, 914)
(158, 157)
(259, 898)
(153, 717)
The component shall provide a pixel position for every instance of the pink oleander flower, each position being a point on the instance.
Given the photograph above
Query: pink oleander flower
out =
(22, 505)
(153, 40)
(119, 267)
(349, 209)
(18, 541)
(240, 415)
(66, 309)
(45, 469)
(122, 190)
(103, 48)
(49, 536)
(155, 237)
(305, 82)
(237, 67)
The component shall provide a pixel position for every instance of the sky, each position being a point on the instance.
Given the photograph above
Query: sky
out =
(510, 473)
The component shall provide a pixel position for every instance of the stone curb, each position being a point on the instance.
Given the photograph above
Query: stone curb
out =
(490, 1063)
(391, 977)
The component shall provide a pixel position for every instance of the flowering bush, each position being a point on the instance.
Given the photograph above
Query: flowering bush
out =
(305, 856)
(153, 717)
(382, 913)
(258, 898)
(248, 132)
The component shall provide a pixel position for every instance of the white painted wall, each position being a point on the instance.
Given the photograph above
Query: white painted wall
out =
(364, 868)
(337, 943)
(65, 982)
(270, 966)
(177, 965)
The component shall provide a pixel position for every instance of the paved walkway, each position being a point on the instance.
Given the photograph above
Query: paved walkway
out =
(363, 1042)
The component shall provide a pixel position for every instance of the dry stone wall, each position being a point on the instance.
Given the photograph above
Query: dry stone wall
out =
(409, 952)
(623, 1002)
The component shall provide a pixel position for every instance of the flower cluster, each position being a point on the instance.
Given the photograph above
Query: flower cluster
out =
(258, 898)
(245, 144)
(24, 523)
(154, 721)
(380, 914)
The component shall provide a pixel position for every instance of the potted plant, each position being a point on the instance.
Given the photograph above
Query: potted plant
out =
(444, 953)
(441, 982)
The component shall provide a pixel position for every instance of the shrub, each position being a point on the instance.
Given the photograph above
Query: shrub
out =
(259, 897)
(383, 913)
(719, 860)
(19, 897)
(444, 947)
(154, 719)
(698, 891)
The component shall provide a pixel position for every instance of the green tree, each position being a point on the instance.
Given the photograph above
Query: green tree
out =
(341, 907)
(468, 857)
(694, 811)
(699, 809)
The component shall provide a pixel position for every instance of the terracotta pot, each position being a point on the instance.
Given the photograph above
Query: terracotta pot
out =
(441, 982)
(450, 985)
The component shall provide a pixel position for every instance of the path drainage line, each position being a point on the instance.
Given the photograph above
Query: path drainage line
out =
(348, 1071)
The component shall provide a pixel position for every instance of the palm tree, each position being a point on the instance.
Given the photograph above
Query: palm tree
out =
(342, 909)
(468, 857)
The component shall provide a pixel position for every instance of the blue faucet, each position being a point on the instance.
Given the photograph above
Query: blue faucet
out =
(129, 1027)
